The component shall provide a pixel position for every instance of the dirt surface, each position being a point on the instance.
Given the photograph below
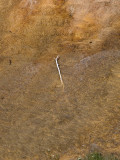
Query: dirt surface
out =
(39, 118)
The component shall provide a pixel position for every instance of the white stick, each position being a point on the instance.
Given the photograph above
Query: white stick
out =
(56, 59)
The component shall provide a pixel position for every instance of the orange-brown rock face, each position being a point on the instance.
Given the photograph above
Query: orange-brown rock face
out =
(39, 118)
(91, 26)
(97, 21)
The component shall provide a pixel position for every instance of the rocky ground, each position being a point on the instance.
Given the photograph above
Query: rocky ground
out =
(39, 118)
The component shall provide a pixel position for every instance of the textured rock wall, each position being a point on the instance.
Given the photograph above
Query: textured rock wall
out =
(39, 119)
(98, 20)
(51, 27)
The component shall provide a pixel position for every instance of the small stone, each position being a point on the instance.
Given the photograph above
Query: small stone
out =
(79, 158)
(94, 147)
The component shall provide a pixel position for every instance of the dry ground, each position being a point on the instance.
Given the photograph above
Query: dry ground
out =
(39, 119)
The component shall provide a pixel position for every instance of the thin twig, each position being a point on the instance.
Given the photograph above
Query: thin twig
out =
(56, 60)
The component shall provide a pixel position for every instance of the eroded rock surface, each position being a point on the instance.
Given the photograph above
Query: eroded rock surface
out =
(39, 118)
